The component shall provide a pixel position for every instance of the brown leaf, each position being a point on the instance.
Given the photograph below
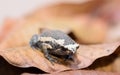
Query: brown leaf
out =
(27, 57)
(78, 72)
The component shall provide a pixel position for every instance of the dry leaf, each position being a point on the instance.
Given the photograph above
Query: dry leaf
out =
(84, 73)
(27, 57)
(78, 72)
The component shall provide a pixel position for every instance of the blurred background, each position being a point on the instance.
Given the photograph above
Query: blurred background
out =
(18, 8)
(89, 21)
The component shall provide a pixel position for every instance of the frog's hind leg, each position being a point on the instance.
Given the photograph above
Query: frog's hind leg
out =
(46, 53)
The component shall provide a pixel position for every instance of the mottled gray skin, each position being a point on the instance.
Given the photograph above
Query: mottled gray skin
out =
(56, 34)
(56, 49)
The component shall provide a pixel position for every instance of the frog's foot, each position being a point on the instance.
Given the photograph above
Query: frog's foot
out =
(51, 59)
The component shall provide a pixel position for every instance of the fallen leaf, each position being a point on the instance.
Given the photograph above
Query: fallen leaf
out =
(85, 55)
(78, 72)
(27, 57)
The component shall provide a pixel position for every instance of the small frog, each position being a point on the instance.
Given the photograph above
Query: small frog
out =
(54, 42)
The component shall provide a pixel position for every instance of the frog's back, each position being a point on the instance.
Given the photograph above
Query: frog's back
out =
(58, 35)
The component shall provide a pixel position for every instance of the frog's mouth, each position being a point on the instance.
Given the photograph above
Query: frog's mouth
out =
(72, 47)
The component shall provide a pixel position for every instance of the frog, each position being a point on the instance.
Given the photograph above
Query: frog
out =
(54, 42)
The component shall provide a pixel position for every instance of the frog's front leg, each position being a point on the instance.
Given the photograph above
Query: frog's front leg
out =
(46, 53)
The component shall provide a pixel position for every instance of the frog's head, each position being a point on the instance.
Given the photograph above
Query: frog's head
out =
(72, 47)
